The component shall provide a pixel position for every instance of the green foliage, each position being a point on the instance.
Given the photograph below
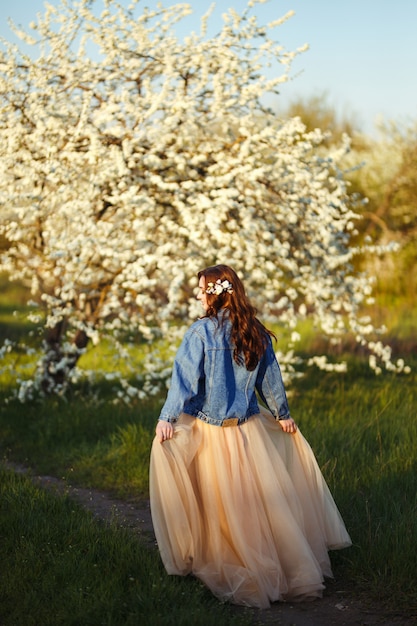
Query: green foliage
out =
(316, 112)
(60, 567)
(389, 181)
(396, 278)
(13, 323)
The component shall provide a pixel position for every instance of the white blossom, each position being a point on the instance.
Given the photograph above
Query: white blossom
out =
(127, 170)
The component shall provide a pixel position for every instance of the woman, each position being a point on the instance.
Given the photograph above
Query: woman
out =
(237, 497)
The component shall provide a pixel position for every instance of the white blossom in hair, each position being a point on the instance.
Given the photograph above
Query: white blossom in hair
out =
(219, 287)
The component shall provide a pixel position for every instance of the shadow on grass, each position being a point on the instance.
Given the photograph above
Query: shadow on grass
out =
(381, 516)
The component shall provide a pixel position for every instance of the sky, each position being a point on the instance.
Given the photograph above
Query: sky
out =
(362, 58)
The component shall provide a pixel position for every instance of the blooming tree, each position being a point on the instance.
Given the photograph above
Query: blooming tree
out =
(389, 181)
(130, 159)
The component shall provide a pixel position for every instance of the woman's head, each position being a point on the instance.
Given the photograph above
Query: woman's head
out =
(221, 288)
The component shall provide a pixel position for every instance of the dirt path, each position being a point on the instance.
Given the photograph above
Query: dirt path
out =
(340, 605)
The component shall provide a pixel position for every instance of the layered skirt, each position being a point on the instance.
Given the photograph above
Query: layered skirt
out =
(245, 509)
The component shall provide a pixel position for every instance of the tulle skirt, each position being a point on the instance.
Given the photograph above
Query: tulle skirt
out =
(245, 509)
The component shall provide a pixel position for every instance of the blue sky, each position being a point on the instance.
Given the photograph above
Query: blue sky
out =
(362, 56)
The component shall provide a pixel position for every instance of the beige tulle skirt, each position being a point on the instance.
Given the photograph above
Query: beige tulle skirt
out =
(245, 509)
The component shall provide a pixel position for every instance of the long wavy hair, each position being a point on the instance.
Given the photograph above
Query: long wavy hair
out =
(249, 335)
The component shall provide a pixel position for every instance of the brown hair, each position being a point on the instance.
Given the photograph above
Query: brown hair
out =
(249, 335)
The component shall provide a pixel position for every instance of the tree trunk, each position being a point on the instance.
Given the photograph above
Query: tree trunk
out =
(60, 358)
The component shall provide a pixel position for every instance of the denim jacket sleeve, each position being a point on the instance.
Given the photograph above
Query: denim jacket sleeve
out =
(187, 371)
(270, 386)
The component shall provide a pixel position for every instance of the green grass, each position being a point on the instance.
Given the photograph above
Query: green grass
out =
(364, 433)
(100, 445)
(361, 427)
(60, 567)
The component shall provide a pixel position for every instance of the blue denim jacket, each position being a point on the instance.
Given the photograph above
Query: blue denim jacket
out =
(208, 384)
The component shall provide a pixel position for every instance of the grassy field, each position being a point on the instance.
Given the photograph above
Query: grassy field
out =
(58, 563)
(61, 567)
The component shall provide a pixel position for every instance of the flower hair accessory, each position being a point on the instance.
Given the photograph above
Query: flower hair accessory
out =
(219, 287)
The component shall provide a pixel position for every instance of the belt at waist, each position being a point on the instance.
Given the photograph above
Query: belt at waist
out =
(230, 421)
